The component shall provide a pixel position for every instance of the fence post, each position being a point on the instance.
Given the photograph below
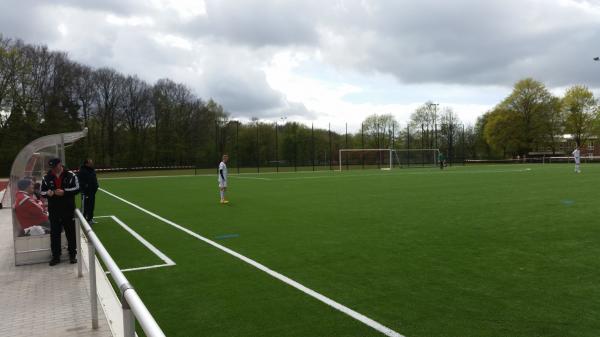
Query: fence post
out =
(330, 154)
(347, 167)
(257, 150)
(276, 148)
(217, 151)
(93, 291)
(237, 148)
(78, 234)
(408, 145)
(312, 137)
(128, 323)
(464, 155)
(128, 317)
(362, 137)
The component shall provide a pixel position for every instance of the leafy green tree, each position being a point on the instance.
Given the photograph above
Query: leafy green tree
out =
(424, 123)
(581, 113)
(519, 123)
(379, 130)
(499, 131)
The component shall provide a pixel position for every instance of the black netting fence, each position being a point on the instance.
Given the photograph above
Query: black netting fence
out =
(267, 147)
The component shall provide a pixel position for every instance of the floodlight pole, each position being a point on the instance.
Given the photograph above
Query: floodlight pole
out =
(435, 105)
(346, 147)
(237, 145)
(276, 148)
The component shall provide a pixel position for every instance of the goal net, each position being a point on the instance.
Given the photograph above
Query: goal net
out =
(415, 157)
(386, 159)
(365, 159)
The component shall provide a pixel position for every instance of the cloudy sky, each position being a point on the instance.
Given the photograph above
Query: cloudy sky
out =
(327, 61)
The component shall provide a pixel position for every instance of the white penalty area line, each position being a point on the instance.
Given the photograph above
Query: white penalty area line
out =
(356, 315)
(167, 261)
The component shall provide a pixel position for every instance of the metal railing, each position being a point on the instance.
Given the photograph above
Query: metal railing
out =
(131, 303)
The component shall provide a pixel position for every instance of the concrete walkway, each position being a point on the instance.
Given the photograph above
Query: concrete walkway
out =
(38, 300)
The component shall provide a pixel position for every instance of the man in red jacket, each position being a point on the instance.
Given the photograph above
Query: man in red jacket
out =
(30, 210)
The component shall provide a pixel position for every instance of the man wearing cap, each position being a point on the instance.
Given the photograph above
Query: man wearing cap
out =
(59, 186)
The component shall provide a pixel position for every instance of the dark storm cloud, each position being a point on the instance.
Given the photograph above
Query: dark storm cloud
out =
(25, 20)
(110, 6)
(464, 42)
(255, 23)
(469, 42)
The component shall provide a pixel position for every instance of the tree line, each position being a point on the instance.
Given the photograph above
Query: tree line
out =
(130, 122)
(134, 123)
(532, 119)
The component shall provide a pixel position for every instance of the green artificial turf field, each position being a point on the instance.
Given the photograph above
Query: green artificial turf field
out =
(503, 251)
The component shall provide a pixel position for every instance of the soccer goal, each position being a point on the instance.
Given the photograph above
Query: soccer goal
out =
(386, 159)
(416, 157)
(366, 158)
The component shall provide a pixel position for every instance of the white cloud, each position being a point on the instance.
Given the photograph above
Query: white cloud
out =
(185, 9)
(132, 21)
(62, 29)
(169, 40)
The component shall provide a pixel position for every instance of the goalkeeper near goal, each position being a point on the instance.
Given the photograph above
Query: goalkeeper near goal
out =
(223, 178)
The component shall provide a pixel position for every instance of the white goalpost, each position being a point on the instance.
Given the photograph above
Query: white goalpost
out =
(387, 159)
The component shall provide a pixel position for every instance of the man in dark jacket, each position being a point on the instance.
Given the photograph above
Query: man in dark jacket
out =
(59, 186)
(89, 187)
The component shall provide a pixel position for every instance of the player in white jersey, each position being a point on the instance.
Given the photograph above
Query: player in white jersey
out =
(577, 157)
(223, 178)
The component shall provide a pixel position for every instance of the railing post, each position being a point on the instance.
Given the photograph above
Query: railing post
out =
(128, 320)
(132, 306)
(93, 290)
(78, 234)
(128, 316)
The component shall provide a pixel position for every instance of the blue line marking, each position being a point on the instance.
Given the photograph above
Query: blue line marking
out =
(568, 202)
(227, 236)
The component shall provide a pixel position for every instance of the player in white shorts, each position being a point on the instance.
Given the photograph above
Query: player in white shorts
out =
(223, 178)
(577, 157)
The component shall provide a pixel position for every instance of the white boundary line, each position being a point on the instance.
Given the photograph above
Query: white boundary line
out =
(214, 175)
(335, 173)
(392, 173)
(356, 315)
(151, 247)
(155, 177)
(242, 177)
